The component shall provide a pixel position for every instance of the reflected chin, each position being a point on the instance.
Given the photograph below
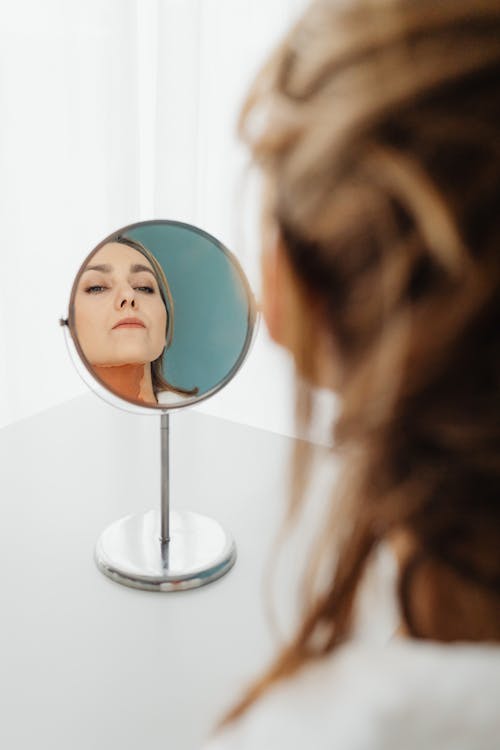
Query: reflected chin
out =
(119, 363)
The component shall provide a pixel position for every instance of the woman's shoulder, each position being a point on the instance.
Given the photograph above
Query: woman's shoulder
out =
(172, 398)
(408, 694)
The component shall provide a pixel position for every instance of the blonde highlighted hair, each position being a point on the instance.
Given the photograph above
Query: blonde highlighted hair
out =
(377, 129)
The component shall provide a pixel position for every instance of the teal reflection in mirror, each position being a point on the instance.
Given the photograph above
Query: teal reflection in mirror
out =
(161, 314)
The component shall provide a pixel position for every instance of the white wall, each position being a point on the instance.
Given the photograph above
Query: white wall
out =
(115, 111)
(208, 53)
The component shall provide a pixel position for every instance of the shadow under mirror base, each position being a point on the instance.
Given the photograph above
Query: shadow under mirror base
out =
(199, 551)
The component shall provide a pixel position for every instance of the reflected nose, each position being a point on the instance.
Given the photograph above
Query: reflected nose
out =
(125, 297)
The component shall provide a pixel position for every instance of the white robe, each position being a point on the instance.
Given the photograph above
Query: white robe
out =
(407, 695)
(170, 398)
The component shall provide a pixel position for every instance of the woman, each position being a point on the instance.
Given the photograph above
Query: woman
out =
(123, 320)
(376, 126)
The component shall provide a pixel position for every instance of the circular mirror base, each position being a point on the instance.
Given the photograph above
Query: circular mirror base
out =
(199, 551)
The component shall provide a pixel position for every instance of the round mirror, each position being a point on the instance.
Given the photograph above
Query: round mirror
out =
(161, 315)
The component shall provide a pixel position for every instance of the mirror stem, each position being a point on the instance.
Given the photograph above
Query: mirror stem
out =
(165, 478)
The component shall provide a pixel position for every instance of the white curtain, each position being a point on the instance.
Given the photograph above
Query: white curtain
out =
(114, 111)
(68, 175)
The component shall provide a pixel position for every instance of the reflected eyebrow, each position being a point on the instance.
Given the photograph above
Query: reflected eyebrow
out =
(138, 267)
(106, 268)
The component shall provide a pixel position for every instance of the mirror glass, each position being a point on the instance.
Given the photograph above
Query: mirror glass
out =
(161, 314)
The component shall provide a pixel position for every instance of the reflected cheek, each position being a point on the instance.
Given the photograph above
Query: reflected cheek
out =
(158, 330)
(90, 330)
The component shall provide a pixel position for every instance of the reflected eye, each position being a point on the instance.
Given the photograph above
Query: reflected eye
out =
(145, 289)
(95, 289)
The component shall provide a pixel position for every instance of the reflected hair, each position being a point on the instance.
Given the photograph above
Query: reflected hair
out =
(376, 126)
(159, 381)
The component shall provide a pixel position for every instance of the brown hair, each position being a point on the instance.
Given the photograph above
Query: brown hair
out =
(377, 129)
(159, 382)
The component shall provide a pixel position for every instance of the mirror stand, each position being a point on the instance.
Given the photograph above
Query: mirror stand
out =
(166, 550)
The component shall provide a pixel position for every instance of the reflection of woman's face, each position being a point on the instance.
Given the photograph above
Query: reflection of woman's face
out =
(120, 317)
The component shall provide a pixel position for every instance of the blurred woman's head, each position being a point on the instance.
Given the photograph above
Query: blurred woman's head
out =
(377, 130)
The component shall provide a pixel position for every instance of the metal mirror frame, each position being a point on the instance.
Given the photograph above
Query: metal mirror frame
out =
(137, 407)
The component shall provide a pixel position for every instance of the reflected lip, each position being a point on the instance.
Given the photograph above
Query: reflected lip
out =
(129, 323)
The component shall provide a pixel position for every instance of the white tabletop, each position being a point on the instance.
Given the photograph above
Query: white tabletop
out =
(88, 663)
